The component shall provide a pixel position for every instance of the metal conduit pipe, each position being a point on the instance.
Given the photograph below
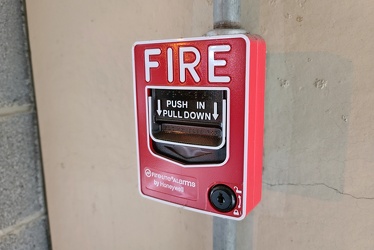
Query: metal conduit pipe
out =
(226, 14)
(226, 18)
(224, 234)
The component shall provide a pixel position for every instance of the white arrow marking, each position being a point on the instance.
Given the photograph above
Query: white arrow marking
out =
(159, 107)
(240, 201)
(215, 114)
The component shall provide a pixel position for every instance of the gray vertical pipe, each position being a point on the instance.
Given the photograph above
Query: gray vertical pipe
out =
(226, 14)
(226, 18)
(224, 234)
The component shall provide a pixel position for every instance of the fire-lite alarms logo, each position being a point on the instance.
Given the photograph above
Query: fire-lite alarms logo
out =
(148, 172)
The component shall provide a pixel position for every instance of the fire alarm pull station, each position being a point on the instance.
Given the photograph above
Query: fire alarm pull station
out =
(200, 113)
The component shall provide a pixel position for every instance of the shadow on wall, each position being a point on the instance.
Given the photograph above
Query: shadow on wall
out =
(306, 122)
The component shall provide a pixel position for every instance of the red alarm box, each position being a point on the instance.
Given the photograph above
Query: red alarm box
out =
(199, 108)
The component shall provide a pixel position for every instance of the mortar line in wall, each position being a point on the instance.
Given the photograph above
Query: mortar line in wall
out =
(14, 229)
(16, 109)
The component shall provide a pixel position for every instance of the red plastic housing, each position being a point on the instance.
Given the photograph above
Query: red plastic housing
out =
(232, 120)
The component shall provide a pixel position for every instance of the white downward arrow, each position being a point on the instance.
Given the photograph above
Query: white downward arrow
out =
(159, 107)
(215, 114)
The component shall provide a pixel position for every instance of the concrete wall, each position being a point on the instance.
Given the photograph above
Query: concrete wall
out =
(319, 126)
(23, 220)
(81, 53)
(318, 175)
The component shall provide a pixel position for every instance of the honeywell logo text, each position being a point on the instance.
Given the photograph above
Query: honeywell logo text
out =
(172, 184)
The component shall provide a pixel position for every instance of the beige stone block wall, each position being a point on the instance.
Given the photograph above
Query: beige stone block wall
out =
(81, 54)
